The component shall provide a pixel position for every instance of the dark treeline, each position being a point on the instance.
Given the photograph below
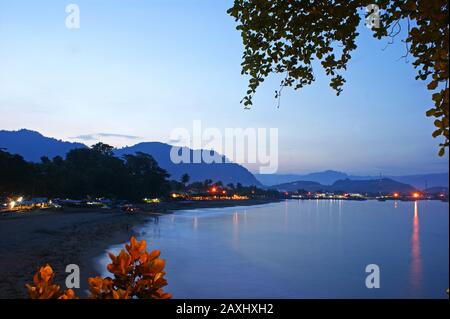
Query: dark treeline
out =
(86, 172)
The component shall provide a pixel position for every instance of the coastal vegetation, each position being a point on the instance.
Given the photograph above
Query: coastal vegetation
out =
(95, 177)
(85, 172)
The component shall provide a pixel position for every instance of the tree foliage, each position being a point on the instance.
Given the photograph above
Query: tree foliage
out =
(185, 178)
(86, 172)
(286, 36)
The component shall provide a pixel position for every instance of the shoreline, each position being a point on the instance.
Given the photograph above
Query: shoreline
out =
(73, 236)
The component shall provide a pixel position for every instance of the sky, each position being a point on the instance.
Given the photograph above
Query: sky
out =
(136, 70)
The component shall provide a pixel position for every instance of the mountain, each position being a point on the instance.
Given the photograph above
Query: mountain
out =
(436, 190)
(326, 178)
(223, 171)
(33, 145)
(385, 185)
(297, 185)
(329, 177)
(424, 180)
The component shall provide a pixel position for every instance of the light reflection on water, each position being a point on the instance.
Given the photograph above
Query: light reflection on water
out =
(416, 262)
(304, 249)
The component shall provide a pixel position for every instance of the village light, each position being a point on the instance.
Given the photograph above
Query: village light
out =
(20, 199)
(416, 195)
(213, 189)
(396, 195)
(12, 204)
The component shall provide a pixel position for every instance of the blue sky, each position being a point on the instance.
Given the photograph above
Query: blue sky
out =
(143, 68)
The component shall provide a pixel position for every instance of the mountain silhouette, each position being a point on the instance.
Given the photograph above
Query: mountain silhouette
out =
(383, 186)
(329, 177)
(32, 146)
(221, 171)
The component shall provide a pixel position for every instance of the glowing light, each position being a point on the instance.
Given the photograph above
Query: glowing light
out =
(12, 204)
(416, 195)
(224, 192)
(20, 199)
(213, 189)
(153, 200)
(396, 195)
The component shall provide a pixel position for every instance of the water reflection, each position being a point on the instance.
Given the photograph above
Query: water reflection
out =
(416, 259)
(303, 241)
(195, 223)
(235, 230)
(285, 218)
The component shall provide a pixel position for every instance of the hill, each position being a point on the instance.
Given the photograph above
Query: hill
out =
(225, 172)
(383, 186)
(32, 146)
(420, 181)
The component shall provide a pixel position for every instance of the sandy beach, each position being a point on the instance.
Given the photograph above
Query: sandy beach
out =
(71, 236)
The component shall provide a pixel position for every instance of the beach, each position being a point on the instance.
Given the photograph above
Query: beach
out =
(72, 236)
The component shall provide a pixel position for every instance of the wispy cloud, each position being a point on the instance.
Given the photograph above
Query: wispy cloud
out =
(129, 137)
(87, 137)
(97, 136)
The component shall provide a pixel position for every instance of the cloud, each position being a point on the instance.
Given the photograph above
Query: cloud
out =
(97, 136)
(129, 137)
(87, 137)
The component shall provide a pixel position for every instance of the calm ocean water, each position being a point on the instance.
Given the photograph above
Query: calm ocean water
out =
(305, 249)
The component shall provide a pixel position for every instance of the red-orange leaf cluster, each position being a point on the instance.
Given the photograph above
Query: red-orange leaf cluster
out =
(44, 288)
(137, 272)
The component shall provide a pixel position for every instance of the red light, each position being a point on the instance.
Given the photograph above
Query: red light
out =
(395, 194)
(213, 189)
(416, 195)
